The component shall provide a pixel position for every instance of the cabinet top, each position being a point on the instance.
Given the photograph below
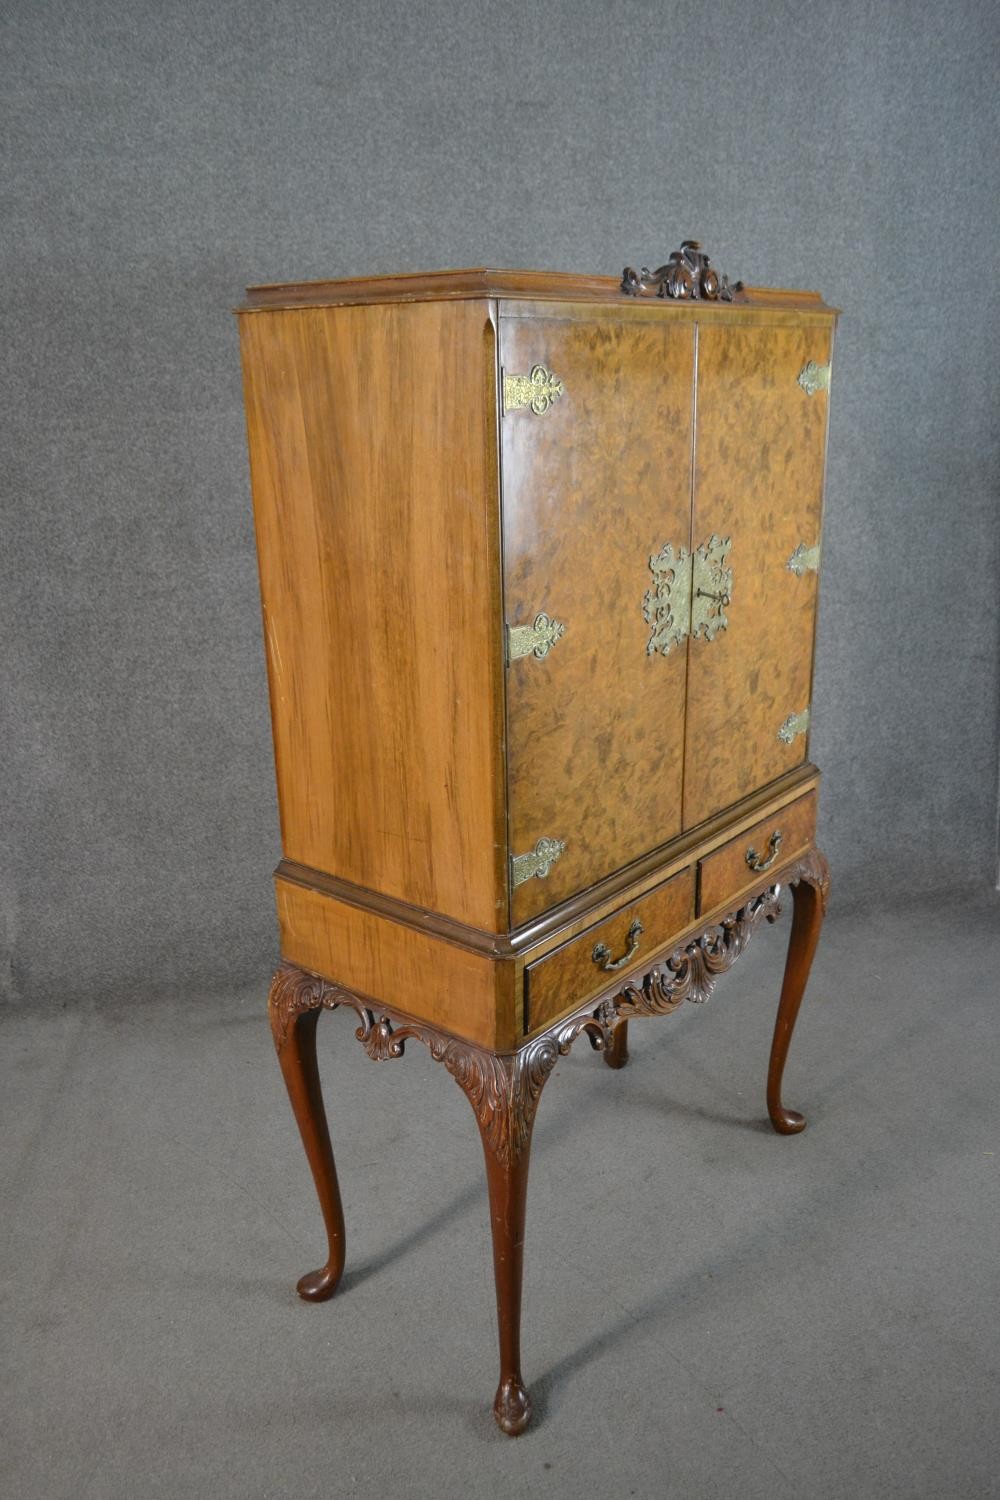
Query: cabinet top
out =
(547, 286)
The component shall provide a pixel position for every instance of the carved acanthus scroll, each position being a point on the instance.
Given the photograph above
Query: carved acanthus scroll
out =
(293, 992)
(687, 276)
(814, 870)
(691, 972)
(504, 1088)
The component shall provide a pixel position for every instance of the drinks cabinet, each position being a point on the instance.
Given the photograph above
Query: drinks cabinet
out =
(539, 559)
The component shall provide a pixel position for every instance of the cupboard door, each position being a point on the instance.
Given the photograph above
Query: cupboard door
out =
(596, 480)
(759, 455)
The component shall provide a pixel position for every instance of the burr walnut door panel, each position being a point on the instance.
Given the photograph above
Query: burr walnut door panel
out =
(759, 455)
(596, 479)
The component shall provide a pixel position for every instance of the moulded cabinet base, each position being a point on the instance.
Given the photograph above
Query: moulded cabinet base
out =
(504, 1088)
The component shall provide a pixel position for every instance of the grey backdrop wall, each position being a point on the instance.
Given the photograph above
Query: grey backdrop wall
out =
(161, 155)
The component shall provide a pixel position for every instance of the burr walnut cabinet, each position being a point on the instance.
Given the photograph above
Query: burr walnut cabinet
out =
(539, 562)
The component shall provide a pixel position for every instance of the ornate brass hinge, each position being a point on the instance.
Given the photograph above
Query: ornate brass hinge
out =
(795, 724)
(534, 640)
(536, 391)
(539, 862)
(690, 594)
(814, 377)
(804, 560)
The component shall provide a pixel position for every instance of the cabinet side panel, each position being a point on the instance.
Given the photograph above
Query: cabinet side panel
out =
(373, 461)
(431, 980)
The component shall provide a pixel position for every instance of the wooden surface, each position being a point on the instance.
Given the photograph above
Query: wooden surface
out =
(377, 478)
(554, 926)
(809, 895)
(488, 991)
(725, 874)
(504, 1090)
(464, 993)
(785, 311)
(373, 458)
(591, 489)
(482, 282)
(569, 975)
(760, 448)
(411, 760)
(295, 1043)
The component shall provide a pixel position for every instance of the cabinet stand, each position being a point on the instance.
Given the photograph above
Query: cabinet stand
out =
(504, 1088)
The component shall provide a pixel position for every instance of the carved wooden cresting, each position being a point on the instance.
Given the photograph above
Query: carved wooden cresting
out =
(539, 616)
(688, 273)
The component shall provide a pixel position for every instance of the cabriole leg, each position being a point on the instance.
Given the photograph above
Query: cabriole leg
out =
(508, 1188)
(616, 1052)
(504, 1093)
(809, 894)
(294, 1029)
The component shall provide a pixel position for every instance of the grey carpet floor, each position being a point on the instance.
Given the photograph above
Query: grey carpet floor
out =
(710, 1310)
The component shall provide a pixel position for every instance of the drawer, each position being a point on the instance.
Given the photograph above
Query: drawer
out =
(739, 865)
(571, 974)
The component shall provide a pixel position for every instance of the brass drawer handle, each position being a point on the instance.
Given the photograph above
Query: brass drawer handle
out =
(758, 865)
(602, 953)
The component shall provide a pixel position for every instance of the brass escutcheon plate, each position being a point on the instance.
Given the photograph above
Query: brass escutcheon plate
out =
(711, 588)
(667, 605)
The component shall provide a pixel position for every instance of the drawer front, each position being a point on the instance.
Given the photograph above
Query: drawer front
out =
(739, 865)
(589, 962)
